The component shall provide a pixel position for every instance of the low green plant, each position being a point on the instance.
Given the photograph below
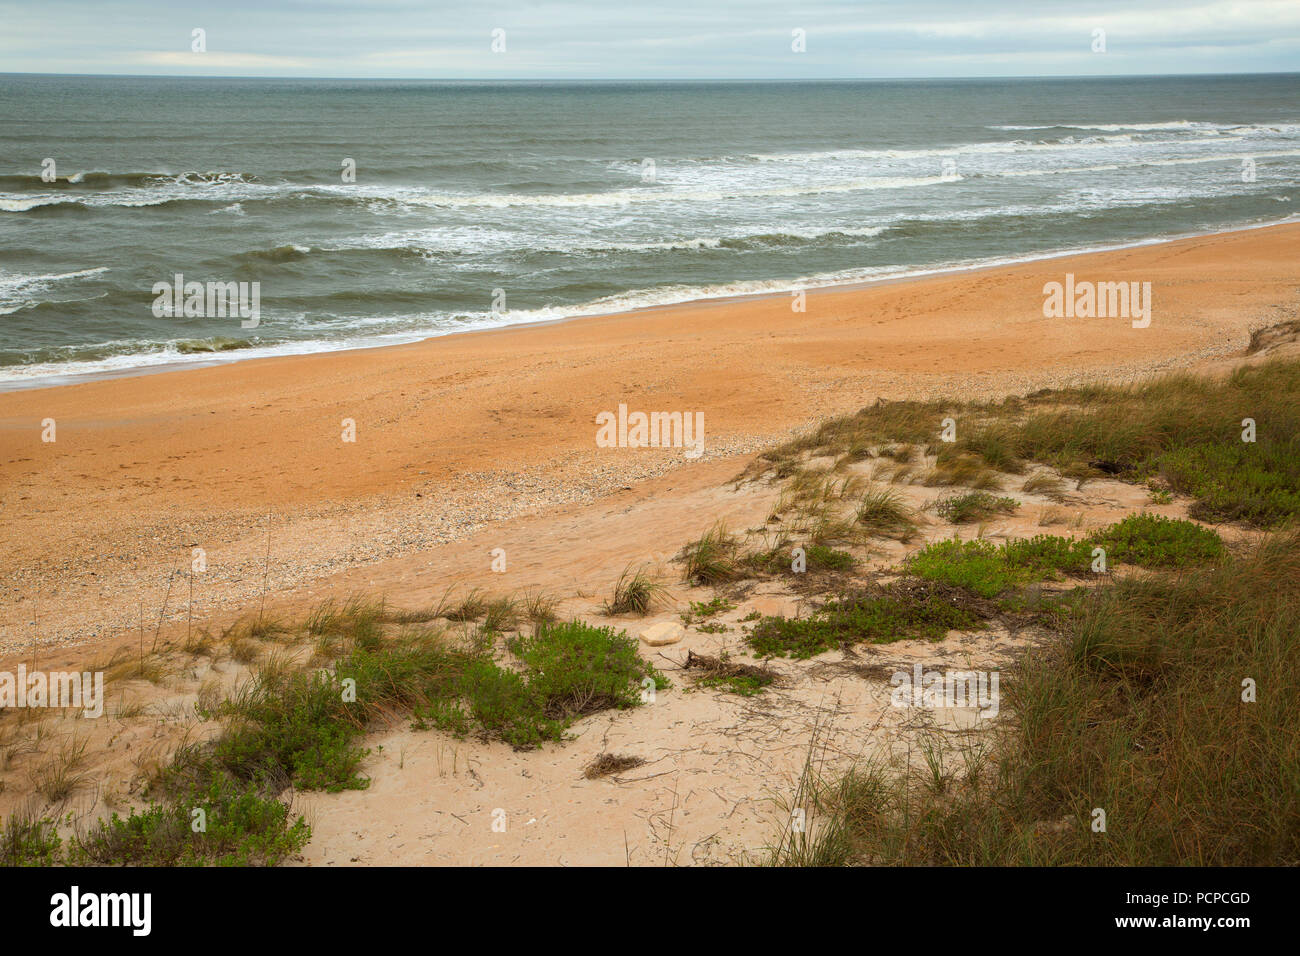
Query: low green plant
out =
(573, 669)
(817, 558)
(1155, 541)
(26, 840)
(240, 828)
(874, 616)
(742, 685)
(722, 673)
(703, 610)
(988, 569)
(305, 729)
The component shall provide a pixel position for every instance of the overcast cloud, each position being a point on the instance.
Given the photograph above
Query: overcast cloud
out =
(614, 39)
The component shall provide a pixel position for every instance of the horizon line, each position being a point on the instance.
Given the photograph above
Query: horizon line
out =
(654, 79)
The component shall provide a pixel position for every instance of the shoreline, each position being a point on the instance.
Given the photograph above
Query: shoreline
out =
(463, 437)
(909, 274)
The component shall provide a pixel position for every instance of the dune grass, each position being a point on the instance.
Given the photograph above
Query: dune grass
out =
(974, 506)
(818, 559)
(635, 592)
(27, 840)
(1044, 483)
(885, 512)
(1189, 431)
(1167, 704)
(1186, 431)
(712, 559)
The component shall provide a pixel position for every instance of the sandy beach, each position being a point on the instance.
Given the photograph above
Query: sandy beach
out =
(457, 434)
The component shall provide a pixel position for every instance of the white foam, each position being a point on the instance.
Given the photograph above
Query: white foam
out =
(18, 290)
(476, 240)
(27, 203)
(972, 149)
(1137, 163)
(438, 324)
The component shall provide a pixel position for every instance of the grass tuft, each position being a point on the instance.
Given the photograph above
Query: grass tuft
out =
(713, 559)
(886, 513)
(974, 506)
(635, 592)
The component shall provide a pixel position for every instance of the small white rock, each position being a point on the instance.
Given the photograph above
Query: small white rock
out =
(665, 632)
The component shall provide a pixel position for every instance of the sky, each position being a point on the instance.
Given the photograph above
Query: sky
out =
(649, 39)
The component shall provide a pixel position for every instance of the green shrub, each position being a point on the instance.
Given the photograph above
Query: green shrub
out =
(1155, 541)
(577, 669)
(28, 841)
(988, 569)
(240, 828)
(703, 610)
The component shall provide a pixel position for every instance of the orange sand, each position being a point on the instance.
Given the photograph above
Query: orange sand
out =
(146, 467)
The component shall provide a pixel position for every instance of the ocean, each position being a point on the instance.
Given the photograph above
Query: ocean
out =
(491, 203)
